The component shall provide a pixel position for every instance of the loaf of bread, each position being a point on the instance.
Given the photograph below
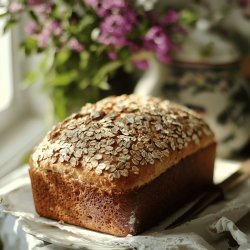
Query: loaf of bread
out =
(121, 165)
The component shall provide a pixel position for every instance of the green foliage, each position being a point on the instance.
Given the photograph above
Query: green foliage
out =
(188, 16)
(60, 103)
(62, 57)
(32, 77)
(29, 45)
(26, 157)
(4, 14)
(9, 24)
(75, 65)
(100, 78)
(63, 79)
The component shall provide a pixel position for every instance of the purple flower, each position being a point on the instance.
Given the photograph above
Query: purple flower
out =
(75, 45)
(116, 4)
(116, 25)
(142, 64)
(105, 7)
(133, 47)
(15, 7)
(40, 6)
(156, 40)
(31, 28)
(99, 6)
(56, 28)
(36, 2)
(42, 9)
(128, 15)
(170, 18)
(117, 41)
(44, 37)
(113, 30)
(112, 55)
(162, 56)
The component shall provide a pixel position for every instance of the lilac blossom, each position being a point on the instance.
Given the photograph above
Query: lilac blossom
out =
(40, 6)
(108, 39)
(15, 7)
(42, 9)
(133, 47)
(116, 25)
(156, 40)
(113, 30)
(56, 28)
(170, 18)
(117, 21)
(112, 55)
(36, 2)
(75, 45)
(141, 64)
(44, 37)
(129, 15)
(105, 7)
(31, 28)
(99, 6)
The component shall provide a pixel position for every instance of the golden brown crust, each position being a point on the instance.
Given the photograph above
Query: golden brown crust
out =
(75, 202)
(122, 143)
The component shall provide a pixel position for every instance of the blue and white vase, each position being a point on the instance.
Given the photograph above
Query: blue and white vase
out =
(213, 85)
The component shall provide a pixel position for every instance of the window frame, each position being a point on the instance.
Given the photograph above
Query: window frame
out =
(6, 79)
(13, 73)
(22, 122)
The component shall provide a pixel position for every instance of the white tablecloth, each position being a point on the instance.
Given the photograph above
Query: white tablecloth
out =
(221, 226)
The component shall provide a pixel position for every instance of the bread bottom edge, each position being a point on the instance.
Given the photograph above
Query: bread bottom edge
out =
(70, 201)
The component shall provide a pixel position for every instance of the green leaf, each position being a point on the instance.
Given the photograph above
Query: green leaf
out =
(85, 22)
(104, 85)
(143, 55)
(26, 157)
(188, 17)
(31, 77)
(128, 67)
(104, 71)
(57, 11)
(38, 74)
(4, 14)
(84, 83)
(9, 24)
(43, 65)
(62, 57)
(93, 47)
(34, 16)
(63, 79)
(29, 45)
(60, 104)
(84, 56)
(100, 49)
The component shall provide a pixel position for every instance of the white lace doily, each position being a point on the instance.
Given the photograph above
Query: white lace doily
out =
(214, 229)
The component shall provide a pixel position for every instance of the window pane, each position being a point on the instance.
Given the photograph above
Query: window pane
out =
(6, 90)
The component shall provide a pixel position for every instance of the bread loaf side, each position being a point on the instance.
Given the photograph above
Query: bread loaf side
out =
(112, 155)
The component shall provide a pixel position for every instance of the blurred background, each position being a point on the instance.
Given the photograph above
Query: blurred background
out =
(55, 56)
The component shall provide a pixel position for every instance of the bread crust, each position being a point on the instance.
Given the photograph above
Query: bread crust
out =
(102, 167)
(73, 201)
(181, 131)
